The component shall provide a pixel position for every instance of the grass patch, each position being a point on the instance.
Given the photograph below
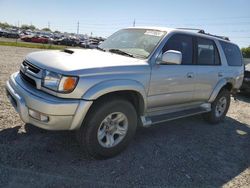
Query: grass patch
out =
(31, 45)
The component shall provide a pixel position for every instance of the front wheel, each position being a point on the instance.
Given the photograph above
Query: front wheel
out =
(219, 107)
(109, 127)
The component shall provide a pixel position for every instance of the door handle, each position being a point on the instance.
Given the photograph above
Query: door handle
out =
(190, 75)
(220, 74)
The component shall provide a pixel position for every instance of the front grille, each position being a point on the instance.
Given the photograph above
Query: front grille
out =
(28, 79)
(31, 67)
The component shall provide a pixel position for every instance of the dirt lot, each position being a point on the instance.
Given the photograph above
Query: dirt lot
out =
(183, 153)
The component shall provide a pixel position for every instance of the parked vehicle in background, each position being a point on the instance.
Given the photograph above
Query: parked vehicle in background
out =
(26, 38)
(39, 39)
(1, 32)
(35, 39)
(9, 34)
(246, 82)
(67, 41)
(91, 43)
(13, 35)
(138, 76)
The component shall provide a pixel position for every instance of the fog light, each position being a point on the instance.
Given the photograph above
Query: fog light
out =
(38, 116)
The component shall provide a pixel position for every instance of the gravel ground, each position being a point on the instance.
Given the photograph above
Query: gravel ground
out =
(184, 153)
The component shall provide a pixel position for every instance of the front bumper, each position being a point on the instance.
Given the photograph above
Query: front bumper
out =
(63, 114)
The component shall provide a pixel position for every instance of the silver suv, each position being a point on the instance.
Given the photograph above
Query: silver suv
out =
(139, 76)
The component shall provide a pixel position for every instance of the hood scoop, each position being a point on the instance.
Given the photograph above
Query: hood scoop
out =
(68, 51)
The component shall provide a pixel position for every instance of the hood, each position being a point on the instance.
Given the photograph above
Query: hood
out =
(77, 59)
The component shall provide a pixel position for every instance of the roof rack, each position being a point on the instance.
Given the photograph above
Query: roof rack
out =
(192, 29)
(201, 31)
(220, 37)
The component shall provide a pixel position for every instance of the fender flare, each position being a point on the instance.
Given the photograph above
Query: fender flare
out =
(110, 86)
(217, 89)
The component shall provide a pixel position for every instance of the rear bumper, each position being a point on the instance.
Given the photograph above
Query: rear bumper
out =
(63, 114)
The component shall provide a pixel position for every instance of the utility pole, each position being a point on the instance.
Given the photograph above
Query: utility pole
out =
(49, 25)
(18, 24)
(78, 28)
(134, 23)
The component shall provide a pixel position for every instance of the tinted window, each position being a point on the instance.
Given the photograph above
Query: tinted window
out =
(182, 43)
(232, 53)
(207, 53)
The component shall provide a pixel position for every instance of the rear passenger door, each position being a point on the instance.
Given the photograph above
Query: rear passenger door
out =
(208, 68)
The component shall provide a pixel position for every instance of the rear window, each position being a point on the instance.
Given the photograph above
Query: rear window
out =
(232, 53)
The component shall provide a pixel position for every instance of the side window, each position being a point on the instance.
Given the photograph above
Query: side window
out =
(232, 53)
(182, 43)
(207, 53)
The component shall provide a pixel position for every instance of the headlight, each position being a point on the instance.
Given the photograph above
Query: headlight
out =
(58, 82)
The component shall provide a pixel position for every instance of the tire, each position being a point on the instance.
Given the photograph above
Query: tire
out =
(219, 108)
(100, 147)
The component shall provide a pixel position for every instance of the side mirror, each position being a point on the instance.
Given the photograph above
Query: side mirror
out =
(171, 57)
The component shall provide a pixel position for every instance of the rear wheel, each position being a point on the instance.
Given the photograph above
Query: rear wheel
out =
(108, 129)
(219, 107)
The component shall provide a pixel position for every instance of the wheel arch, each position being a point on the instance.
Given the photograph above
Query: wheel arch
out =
(128, 89)
(223, 84)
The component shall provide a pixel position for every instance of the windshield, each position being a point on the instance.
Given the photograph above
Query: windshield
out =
(136, 42)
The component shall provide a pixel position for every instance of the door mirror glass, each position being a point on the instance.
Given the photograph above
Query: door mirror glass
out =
(171, 57)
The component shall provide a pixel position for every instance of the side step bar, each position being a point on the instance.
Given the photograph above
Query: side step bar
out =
(150, 120)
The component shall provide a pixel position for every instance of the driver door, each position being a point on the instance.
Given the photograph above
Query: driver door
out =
(173, 84)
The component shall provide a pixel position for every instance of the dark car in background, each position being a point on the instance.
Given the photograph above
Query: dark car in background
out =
(67, 41)
(9, 34)
(1, 33)
(13, 35)
(246, 82)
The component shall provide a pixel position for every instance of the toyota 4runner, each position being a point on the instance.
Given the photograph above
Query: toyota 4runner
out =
(138, 76)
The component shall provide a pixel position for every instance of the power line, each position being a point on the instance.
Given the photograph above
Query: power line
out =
(78, 28)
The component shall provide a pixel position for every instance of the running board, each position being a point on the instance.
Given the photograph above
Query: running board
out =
(150, 120)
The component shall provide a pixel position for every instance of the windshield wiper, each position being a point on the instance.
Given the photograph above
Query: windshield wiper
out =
(118, 51)
(98, 48)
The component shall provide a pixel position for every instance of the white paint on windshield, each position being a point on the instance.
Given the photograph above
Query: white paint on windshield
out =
(154, 33)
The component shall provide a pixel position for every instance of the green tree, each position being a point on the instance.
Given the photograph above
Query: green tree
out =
(32, 27)
(246, 52)
(5, 25)
(46, 29)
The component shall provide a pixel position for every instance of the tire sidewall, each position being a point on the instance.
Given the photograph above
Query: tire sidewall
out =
(96, 116)
(224, 93)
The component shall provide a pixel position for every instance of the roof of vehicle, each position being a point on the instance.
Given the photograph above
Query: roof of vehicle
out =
(196, 32)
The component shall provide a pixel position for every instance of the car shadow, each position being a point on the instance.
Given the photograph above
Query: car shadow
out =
(183, 153)
(245, 97)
